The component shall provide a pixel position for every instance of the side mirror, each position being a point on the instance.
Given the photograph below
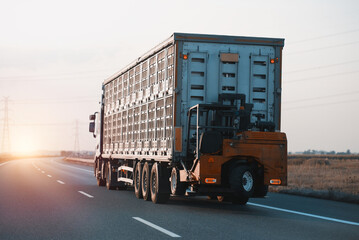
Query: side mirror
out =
(92, 117)
(92, 127)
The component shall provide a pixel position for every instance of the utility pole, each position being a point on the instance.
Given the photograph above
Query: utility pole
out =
(5, 145)
(77, 141)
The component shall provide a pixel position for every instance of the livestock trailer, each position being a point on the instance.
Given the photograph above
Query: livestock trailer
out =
(196, 115)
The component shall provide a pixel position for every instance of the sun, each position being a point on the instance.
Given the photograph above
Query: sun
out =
(24, 144)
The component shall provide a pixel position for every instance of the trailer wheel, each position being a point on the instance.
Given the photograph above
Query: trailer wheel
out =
(100, 181)
(111, 176)
(137, 180)
(145, 182)
(159, 184)
(242, 182)
(177, 188)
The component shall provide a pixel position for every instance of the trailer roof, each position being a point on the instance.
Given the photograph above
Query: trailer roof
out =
(210, 38)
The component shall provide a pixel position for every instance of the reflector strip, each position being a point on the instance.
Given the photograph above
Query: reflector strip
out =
(275, 181)
(210, 180)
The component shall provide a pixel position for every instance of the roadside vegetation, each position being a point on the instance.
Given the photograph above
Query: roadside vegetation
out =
(324, 176)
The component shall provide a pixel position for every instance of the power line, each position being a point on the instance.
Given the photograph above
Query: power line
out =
(6, 146)
(77, 141)
(324, 36)
(322, 97)
(320, 77)
(318, 49)
(321, 104)
(320, 67)
(53, 75)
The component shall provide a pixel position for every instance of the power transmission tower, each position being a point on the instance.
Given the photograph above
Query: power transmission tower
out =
(5, 145)
(77, 141)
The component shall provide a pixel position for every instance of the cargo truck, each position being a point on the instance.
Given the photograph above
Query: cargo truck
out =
(196, 115)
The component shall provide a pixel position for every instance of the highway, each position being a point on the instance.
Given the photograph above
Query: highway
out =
(48, 198)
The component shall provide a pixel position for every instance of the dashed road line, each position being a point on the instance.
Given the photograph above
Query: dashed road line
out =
(2, 164)
(305, 214)
(61, 182)
(171, 234)
(49, 175)
(86, 194)
(43, 171)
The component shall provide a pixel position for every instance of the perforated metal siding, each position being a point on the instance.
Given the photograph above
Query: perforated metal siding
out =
(138, 108)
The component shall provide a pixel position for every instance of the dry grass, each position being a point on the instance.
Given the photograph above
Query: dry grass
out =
(330, 178)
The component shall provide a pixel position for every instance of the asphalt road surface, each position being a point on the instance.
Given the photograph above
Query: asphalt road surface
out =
(52, 199)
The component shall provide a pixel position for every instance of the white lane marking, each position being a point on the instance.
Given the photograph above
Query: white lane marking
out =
(33, 164)
(86, 194)
(74, 167)
(156, 227)
(38, 169)
(2, 164)
(305, 214)
(43, 171)
(49, 175)
(61, 182)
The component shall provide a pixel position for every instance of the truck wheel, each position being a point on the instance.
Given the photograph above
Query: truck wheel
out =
(100, 181)
(110, 178)
(159, 184)
(137, 180)
(145, 182)
(241, 181)
(177, 188)
(95, 167)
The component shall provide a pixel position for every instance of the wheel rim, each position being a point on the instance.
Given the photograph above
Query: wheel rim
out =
(154, 182)
(137, 179)
(247, 181)
(173, 182)
(144, 184)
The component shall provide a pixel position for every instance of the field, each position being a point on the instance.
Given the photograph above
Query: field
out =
(324, 176)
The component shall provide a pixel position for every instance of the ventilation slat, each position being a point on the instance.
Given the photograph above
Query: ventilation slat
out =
(199, 74)
(260, 76)
(198, 60)
(197, 87)
(259, 100)
(229, 75)
(259, 89)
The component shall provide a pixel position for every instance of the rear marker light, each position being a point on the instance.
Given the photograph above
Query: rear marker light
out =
(210, 180)
(275, 181)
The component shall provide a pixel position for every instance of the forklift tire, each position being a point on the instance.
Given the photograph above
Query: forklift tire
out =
(242, 180)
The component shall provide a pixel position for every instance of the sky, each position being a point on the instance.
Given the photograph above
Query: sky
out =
(54, 56)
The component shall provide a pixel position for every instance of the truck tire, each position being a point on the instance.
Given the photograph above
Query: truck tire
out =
(242, 181)
(137, 180)
(177, 188)
(159, 184)
(260, 190)
(145, 182)
(100, 181)
(110, 178)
